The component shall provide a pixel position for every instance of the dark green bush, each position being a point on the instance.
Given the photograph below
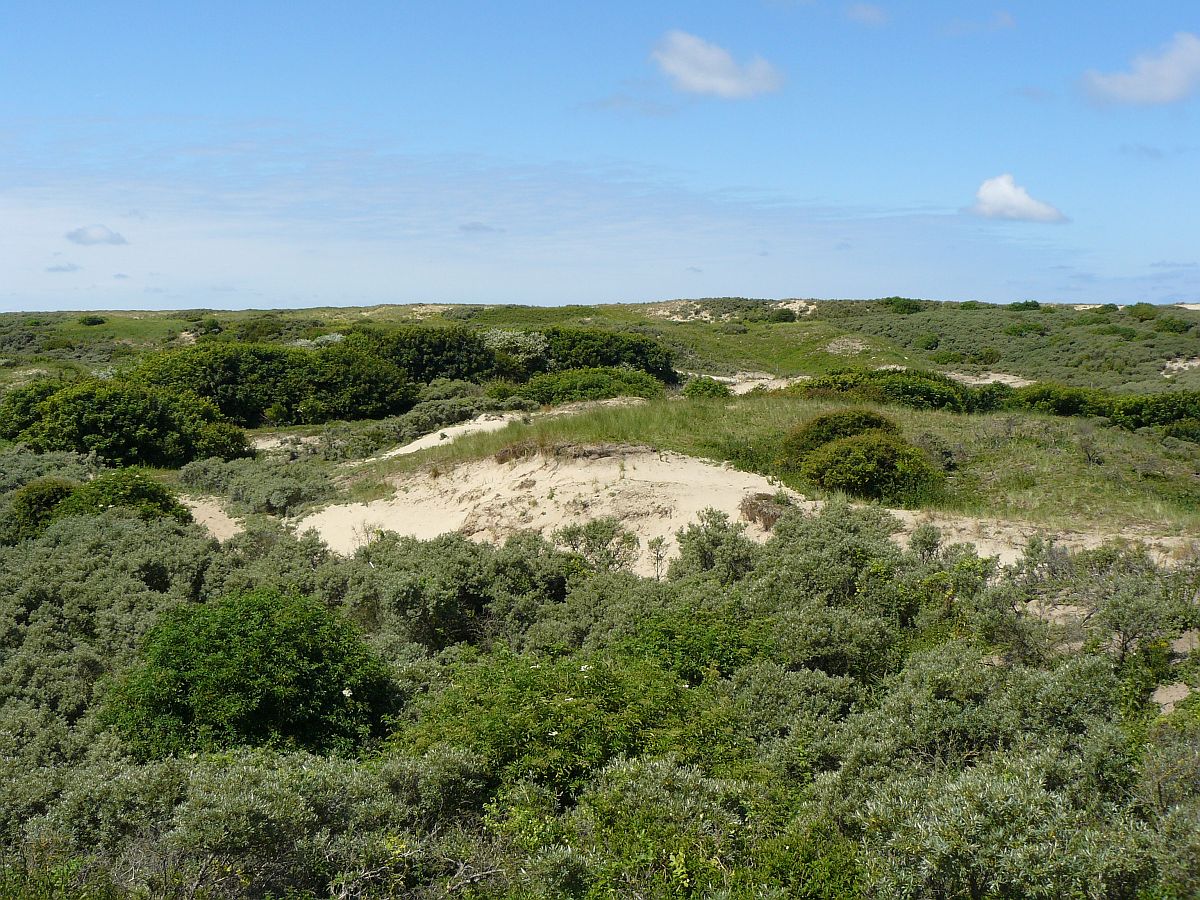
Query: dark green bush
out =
(1061, 400)
(1021, 305)
(19, 406)
(32, 507)
(705, 387)
(922, 390)
(426, 352)
(253, 384)
(131, 489)
(816, 432)
(92, 320)
(903, 305)
(261, 669)
(591, 348)
(131, 424)
(573, 385)
(874, 465)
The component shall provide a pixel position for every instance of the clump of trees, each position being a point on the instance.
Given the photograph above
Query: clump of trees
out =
(120, 422)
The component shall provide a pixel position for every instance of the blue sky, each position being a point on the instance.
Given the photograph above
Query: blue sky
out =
(226, 154)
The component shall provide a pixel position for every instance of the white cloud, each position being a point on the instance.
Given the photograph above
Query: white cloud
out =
(698, 67)
(61, 268)
(89, 235)
(1002, 198)
(1153, 79)
(867, 14)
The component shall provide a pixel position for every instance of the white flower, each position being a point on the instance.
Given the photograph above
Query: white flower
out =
(554, 734)
(347, 693)
(584, 668)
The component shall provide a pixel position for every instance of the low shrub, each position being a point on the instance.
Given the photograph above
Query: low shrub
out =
(261, 668)
(132, 424)
(31, 508)
(130, 489)
(875, 465)
(574, 385)
(704, 387)
(814, 433)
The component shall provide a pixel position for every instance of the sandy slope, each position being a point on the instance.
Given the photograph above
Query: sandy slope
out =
(210, 515)
(653, 493)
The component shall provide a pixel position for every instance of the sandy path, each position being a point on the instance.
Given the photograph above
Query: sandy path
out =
(211, 516)
(481, 424)
(1015, 381)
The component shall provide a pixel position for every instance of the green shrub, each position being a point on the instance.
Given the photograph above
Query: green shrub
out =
(253, 384)
(19, 406)
(703, 387)
(911, 387)
(876, 465)
(1021, 305)
(91, 319)
(130, 489)
(550, 721)
(426, 352)
(31, 508)
(259, 669)
(574, 385)
(816, 432)
(1143, 312)
(592, 348)
(903, 305)
(131, 424)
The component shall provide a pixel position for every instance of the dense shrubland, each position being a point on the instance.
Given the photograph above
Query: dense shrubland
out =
(189, 403)
(824, 715)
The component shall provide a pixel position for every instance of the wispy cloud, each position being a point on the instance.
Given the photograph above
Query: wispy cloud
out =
(479, 228)
(696, 66)
(1002, 198)
(1001, 20)
(62, 268)
(1153, 79)
(90, 235)
(868, 14)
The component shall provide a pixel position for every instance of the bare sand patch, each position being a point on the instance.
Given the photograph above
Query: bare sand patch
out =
(448, 435)
(1080, 307)
(799, 307)
(211, 516)
(1168, 696)
(680, 311)
(846, 346)
(654, 494)
(1194, 307)
(1175, 366)
(744, 382)
(1015, 381)
(1007, 540)
(273, 442)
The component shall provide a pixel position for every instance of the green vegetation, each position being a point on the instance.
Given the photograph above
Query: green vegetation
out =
(874, 465)
(829, 713)
(251, 669)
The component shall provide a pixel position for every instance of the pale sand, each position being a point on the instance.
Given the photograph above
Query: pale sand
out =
(653, 494)
(482, 424)
(1167, 696)
(211, 516)
(744, 382)
(1194, 307)
(1175, 366)
(989, 378)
